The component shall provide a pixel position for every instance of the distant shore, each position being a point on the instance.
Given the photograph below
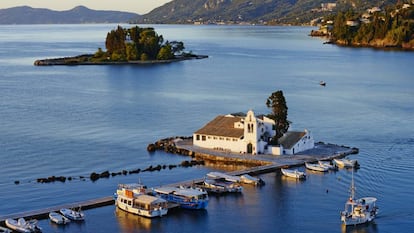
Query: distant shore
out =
(376, 44)
(85, 59)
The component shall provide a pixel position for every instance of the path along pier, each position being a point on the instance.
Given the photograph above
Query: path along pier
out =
(257, 164)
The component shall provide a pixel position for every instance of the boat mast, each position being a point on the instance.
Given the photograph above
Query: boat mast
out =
(352, 189)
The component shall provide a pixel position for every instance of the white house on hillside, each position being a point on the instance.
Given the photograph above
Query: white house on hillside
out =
(249, 134)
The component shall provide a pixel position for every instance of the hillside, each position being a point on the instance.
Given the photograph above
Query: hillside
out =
(252, 11)
(80, 14)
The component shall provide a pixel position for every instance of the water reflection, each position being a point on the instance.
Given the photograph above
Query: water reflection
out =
(130, 223)
(363, 228)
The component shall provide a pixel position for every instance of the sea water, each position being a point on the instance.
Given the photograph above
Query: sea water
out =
(74, 120)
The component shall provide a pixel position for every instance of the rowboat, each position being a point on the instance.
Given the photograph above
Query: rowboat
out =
(293, 173)
(58, 218)
(316, 167)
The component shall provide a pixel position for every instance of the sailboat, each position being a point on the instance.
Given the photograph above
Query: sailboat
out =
(358, 211)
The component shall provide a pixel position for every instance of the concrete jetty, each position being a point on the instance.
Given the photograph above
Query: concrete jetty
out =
(43, 213)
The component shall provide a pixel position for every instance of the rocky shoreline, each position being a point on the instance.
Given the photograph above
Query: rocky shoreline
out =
(85, 59)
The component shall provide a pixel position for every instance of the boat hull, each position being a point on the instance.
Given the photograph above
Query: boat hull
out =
(73, 214)
(293, 174)
(58, 218)
(142, 212)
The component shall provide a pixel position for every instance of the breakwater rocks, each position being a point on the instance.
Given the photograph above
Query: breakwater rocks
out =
(169, 145)
(94, 176)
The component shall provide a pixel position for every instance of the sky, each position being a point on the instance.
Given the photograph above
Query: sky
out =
(134, 6)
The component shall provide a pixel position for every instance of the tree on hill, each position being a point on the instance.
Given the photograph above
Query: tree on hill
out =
(277, 104)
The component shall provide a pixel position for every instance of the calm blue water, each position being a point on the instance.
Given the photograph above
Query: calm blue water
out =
(71, 121)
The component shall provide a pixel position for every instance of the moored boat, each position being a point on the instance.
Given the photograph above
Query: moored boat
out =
(58, 218)
(247, 179)
(133, 198)
(224, 176)
(23, 226)
(185, 197)
(293, 173)
(328, 165)
(222, 186)
(316, 167)
(347, 163)
(72, 214)
(358, 211)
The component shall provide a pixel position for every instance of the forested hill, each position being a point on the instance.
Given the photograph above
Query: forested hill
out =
(253, 11)
(80, 14)
(391, 27)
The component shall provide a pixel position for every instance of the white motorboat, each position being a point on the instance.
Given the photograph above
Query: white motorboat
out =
(247, 179)
(58, 218)
(224, 176)
(316, 167)
(358, 211)
(328, 165)
(23, 226)
(347, 163)
(186, 197)
(75, 215)
(221, 186)
(293, 173)
(133, 198)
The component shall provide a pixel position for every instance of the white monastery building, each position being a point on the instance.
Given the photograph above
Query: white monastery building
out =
(249, 134)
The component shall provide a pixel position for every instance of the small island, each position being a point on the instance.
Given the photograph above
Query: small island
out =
(135, 45)
(391, 27)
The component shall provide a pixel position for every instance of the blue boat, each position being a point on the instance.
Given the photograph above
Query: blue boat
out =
(185, 197)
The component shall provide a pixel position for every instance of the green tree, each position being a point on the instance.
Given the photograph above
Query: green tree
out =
(277, 104)
(165, 53)
(131, 52)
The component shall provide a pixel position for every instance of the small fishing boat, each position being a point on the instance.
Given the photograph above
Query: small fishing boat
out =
(58, 218)
(347, 163)
(224, 176)
(221, 186)
(133, 198)
(316, 167)
(358, 211)
(328, 165)
(185, 197)
(23, 226)
(322, 83)
(293, 173)
(247, 179)
(75, 215)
